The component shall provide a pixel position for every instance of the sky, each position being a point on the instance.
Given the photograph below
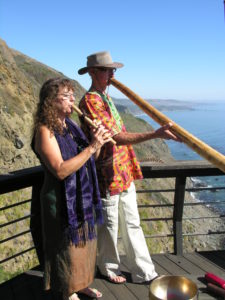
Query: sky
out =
(171, 49)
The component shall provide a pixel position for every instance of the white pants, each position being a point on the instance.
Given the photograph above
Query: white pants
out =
(123, 208)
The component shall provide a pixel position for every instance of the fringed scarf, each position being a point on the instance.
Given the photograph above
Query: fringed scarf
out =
(81, 188)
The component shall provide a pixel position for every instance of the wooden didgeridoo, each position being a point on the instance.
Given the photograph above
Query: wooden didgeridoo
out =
(88, 120)
(213, 156)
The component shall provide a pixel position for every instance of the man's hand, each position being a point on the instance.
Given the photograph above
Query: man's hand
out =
(165, 133)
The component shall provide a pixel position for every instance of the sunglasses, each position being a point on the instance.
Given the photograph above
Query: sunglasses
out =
(102, 69)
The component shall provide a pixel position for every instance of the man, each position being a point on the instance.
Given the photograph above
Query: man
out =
(117, 168)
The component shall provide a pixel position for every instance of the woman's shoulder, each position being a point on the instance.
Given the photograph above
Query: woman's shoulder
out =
(43, 132)
(42, 129)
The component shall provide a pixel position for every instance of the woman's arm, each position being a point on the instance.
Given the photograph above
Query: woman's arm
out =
(47, 147)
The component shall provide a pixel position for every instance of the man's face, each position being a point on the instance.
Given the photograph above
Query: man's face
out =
(104, 75)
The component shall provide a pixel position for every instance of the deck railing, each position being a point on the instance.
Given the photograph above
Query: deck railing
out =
(180, 170)
(15, 181)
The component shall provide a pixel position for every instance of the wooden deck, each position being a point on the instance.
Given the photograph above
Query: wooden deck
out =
(28, 286)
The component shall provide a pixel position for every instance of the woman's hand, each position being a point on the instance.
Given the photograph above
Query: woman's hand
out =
(100, 136)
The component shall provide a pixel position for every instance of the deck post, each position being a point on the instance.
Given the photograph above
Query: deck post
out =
(178, 214)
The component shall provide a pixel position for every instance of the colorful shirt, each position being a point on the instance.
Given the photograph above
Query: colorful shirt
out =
(117, 166)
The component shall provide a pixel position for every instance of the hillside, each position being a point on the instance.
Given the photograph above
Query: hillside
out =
(21, 78)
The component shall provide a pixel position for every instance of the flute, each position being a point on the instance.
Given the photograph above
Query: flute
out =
(89, 121)
(213, 156)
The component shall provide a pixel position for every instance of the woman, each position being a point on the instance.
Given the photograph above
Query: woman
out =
(70, 194)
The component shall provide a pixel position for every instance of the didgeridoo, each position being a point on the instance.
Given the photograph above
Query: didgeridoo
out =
(213, 156)
(89, 121)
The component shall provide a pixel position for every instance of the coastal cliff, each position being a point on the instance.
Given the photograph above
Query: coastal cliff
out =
(20, 80)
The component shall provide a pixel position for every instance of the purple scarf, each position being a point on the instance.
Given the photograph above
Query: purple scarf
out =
(81, 188)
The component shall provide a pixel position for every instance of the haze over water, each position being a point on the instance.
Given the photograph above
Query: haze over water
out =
(206, 122)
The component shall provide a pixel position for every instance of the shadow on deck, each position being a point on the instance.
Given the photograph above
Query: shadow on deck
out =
(28, 286)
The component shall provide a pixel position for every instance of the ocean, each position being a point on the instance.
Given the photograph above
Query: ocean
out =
(207, 122)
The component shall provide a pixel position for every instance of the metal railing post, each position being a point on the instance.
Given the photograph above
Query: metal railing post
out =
(178, 214)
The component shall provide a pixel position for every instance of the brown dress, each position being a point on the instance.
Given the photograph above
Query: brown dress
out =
(68, 268)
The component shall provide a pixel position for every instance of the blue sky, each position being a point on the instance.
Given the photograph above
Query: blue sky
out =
(171, 49)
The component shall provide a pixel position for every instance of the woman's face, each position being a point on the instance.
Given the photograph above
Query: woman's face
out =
(65, 100)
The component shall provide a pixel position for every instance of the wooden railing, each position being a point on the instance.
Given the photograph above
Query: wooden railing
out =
(33, 177)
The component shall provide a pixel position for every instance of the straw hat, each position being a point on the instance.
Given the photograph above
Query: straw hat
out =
(99, 60)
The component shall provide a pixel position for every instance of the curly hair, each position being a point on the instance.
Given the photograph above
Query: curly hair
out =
(46, 111)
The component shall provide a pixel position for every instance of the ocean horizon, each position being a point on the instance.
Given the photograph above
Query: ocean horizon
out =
(206, 122)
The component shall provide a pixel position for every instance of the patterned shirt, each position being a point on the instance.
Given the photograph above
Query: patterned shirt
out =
(117, 166)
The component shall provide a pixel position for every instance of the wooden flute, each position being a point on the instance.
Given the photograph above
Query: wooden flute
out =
(88, 120)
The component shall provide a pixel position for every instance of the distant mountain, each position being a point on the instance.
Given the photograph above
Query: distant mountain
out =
(159, 104)
(20, 80)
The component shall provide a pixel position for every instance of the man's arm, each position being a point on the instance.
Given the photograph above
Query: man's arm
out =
(126, 138)
(95, 108)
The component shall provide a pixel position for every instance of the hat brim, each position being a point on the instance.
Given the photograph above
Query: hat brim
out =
(115, 65)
